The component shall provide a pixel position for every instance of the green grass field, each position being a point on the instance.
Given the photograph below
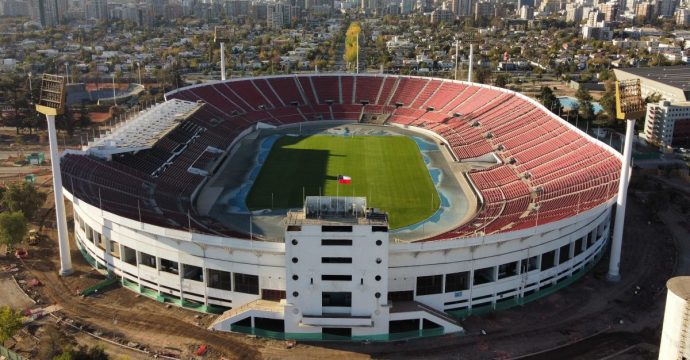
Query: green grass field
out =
(388, 170)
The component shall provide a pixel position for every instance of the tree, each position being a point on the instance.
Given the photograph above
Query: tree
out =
(481, 75)
(501, 80)
(351, 47)
(10, 323)
(549, 100)
(585, 101)
(83, 353)
(608, 99)
(13, 227)
(23, 197)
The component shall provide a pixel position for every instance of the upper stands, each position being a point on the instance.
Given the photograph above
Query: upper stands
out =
(548, 170)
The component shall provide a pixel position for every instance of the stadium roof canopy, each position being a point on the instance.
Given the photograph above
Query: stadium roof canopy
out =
(676, 76)
(143, 130)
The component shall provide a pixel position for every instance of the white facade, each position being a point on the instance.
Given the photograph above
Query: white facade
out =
(674, 336)
(461, 276)
(337, 274)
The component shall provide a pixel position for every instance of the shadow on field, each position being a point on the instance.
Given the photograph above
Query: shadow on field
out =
(288, 174)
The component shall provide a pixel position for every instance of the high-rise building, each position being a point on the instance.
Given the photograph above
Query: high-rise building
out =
(644, 11)
(682, 16)
(442, 15)
(668, 124)
(526, 12)
(48, 12)
(573, 12)
(610, 11)
(461, 7)
(406, 6)
(666, 8)
(483, 10)
(522, 3)
(97, 9)
(14, 8)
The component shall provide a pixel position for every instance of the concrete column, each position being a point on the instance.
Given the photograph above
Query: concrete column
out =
(61, 218)
(617, 241)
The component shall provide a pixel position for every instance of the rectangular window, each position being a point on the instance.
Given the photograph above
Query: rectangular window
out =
(219, 279)
(272, 295)
(336, 260)
(169, 266)
(591, 238)
(530, 264)
(485, 275)
(379, 229)
(401, 295)
(564, 254)
(507, 270)
(147, 260)
(336, 242)
(99, 240)
(130, 256)
(114, 249)
(245, 283)
(336, 277)
(336, 228)
(191, 272)
(457, 281)
(89, 233)
(337, 299)
(548, 260)
(578, 247)
(427, 285)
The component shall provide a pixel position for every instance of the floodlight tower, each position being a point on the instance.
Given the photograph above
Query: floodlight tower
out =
(629, 107)
(52, 103)
(219, 36)
(471, 39)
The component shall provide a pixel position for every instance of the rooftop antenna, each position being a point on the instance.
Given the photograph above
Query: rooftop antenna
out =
(629, 107)
(219, 36)
(52, 103)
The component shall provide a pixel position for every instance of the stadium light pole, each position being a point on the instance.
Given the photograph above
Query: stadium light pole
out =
(357, 70)
(469, 38)
(456, 59)
(52, 103)
(114, 96)
(220, 38)
(618, 225)
(629, 106)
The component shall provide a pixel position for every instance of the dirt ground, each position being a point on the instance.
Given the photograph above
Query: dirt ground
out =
(591, 319)
(12, 295)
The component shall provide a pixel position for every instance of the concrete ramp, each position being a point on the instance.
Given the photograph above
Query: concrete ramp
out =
(406, 310)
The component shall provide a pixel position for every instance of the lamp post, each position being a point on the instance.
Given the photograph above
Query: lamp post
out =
(52, 103)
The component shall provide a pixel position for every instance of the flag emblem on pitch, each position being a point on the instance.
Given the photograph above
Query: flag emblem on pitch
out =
(343, 179)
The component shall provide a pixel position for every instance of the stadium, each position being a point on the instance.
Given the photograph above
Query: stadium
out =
(347, 207)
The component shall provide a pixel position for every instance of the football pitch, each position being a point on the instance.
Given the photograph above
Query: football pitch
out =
(388, 170)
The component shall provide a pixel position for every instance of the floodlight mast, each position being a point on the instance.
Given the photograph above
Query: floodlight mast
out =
(52, 103)
(220, 36)
(471, 39)
(629, 107)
